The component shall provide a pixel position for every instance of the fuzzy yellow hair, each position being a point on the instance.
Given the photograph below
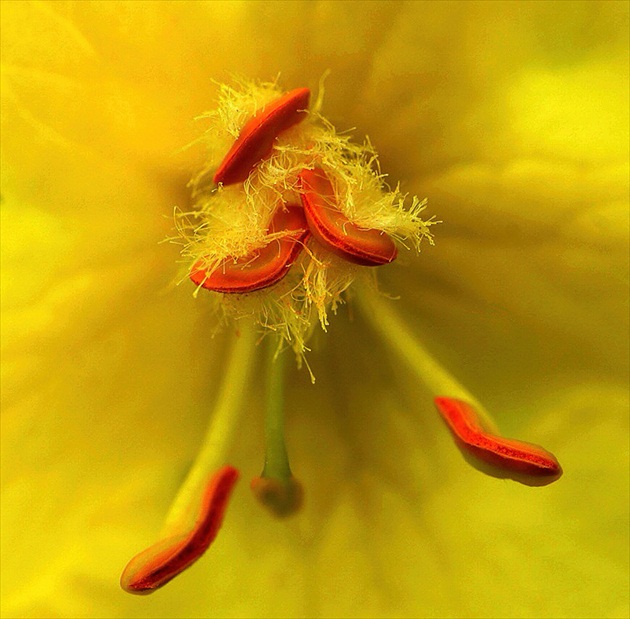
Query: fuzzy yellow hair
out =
(228, 223)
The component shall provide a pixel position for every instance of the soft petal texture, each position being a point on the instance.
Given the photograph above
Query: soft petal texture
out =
(512, 119)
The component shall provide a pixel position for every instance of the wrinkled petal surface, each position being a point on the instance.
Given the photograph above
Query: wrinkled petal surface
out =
(512, 118)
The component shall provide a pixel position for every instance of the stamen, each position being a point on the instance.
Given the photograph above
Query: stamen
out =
(475, 432)
(494, 455)
(176, 551)
(335, 231)
(276, 488)
(256, 138)
(160, 563)
(263, 267)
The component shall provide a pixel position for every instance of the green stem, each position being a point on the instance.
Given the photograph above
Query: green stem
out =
(276, 458)
(219, 436)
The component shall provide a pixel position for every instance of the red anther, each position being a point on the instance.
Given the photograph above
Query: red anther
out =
(497, 456)
(335, 231)
(256, 138)
(263, 267)
(160, 563)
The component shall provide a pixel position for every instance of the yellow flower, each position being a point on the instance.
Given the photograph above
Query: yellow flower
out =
(511, 118)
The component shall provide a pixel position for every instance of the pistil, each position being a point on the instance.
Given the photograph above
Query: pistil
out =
(276, 488)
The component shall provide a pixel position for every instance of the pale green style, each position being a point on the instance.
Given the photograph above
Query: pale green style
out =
(512, 119)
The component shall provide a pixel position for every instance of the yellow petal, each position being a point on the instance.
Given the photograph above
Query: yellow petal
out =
(109, 372)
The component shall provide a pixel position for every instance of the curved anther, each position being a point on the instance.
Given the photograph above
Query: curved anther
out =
(335, 231)
(264, 266)
(160, 563)
(256, 138)
(494, 455)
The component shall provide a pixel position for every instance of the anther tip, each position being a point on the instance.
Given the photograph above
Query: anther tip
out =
(493, 454)
(160, 563)
(281, 498)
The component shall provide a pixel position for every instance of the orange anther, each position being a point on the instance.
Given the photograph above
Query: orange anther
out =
(160, 563)
(256, 138)
(335, 231)
(497, 456)
(263, 267)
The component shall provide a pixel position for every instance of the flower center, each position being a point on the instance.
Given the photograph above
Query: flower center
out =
(313, 192)
(294, 212)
